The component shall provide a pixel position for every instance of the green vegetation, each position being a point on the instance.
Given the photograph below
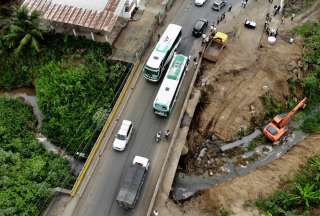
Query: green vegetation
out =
(75, 99)
(75, 83)
(299, 196)
(257, 141)
(273, 106)
(311, 83)
(23, 31)
(225, 212)
(27, 171)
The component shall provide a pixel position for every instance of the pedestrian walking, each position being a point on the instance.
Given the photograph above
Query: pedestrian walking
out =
(266, 24)
(292, 16)
(242, 3)
(267, 17)
(223, 16)
(195, 59)
(277, 10)
(282, 19)
(167, 134)
(230, 8)
(245, 4)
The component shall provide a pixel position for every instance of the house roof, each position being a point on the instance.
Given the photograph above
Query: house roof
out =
(78, 12)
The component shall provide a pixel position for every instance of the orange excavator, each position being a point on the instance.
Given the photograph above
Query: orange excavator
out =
(276, 129)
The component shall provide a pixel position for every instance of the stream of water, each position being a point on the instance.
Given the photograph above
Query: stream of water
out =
(28, 96)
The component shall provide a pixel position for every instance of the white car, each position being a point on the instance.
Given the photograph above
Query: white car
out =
(123, 136)
(199, 2)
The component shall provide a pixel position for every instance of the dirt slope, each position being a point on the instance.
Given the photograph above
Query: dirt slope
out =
(243, 74)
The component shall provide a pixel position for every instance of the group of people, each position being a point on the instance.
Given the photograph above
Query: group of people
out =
(268, 30)
(166, 135)
(212, 33)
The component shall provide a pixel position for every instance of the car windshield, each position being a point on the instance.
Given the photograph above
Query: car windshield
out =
(121, 137)
(198, 25)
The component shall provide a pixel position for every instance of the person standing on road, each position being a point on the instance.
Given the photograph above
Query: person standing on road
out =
(245, 3)
(292, 16)
(230, 8)
(167, 134)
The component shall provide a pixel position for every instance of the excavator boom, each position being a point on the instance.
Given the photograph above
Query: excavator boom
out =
(286, 118)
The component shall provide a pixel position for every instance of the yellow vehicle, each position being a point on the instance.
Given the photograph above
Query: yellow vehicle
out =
(216, 44)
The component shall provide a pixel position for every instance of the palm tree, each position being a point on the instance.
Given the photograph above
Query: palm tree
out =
(23, 30)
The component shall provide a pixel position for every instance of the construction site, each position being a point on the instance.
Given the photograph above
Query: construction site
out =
(228, 159)
(245, 85)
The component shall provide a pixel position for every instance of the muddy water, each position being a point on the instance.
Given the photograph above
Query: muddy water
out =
(28, 96)
(185, 186)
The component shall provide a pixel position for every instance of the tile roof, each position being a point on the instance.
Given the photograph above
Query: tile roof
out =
(98, 20)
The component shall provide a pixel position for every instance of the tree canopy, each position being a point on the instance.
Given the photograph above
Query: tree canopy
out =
(27, 172)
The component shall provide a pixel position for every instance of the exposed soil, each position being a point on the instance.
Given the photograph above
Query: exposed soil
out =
(236, 194)
(248, 69)
(244, 74)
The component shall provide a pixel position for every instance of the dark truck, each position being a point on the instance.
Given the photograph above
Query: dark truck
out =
(132, 182)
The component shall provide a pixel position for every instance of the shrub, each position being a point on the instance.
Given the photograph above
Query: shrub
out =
(299, 195)
(74, 100)
(27, 171)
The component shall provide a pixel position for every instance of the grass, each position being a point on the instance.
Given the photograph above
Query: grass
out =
(255, 142)
(299, 196)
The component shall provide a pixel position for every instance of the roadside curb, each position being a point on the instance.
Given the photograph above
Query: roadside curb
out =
(109, 127)
(104, 130)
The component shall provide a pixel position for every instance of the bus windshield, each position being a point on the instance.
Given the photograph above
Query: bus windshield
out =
(151, 71)
(161, 107)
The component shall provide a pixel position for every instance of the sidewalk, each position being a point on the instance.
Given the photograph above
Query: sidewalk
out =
(136, 36)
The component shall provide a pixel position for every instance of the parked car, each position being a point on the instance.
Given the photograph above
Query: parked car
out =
(199, 2)
(123, 136)
(219, 4)
(250, 24)
(200, 27)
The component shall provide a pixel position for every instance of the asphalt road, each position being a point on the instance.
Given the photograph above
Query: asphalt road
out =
(98, 198)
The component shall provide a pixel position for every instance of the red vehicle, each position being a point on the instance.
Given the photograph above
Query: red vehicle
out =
(276, 129)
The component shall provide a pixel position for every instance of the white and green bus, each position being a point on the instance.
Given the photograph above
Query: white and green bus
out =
(170, 85)
(162, 53)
